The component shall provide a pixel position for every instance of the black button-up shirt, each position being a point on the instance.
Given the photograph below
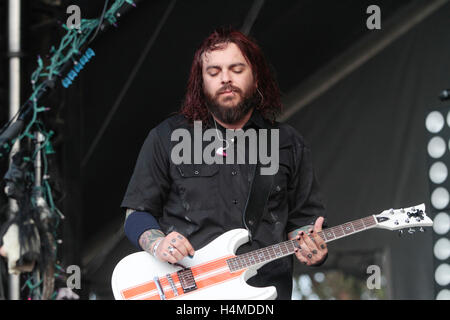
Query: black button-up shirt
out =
(203, 201)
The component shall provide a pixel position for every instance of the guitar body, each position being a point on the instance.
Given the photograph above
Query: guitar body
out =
(134, 276)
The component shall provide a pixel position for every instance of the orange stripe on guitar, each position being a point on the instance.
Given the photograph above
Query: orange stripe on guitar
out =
(139, 289)
(197, 271)
(202, 284)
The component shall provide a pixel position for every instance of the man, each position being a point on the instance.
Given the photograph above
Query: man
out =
(175, 209)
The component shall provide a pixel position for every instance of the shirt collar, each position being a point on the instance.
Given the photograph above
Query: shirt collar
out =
(256, 120)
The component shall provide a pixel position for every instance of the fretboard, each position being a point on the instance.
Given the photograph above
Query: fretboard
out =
(286, 248)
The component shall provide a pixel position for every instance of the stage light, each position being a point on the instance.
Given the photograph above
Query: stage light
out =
(442, 249)
(442, 274)
(435, 122)
(440, 198)
(448, 118)
(443, 295)
(441, 223)
(436, 147)
(438, 172)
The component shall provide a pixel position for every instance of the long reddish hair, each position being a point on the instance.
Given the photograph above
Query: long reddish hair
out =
(194, 105)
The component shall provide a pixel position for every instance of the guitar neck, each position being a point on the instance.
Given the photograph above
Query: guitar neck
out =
(286, 248)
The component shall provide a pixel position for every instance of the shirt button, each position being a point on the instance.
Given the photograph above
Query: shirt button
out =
(235, 201)
(196, 172)
(233, 173)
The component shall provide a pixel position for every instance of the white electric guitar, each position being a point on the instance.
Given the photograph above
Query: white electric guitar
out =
(215, 272)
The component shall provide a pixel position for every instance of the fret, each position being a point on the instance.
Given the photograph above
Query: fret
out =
(291, 244)
(370, 221)
(339, 232)
(276, 249)
(348, 228)
(242, 260)
(329, 234)
(261, 255)
(362, 221)
(271, 255)
(285, 249)
(255, 257)
(357, 225)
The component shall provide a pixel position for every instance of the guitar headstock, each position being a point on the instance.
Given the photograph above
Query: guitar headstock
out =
(397, 219)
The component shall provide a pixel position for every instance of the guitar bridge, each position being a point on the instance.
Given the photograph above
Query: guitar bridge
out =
(187, 280)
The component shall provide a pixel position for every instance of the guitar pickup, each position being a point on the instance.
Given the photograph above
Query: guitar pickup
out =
(187, 280)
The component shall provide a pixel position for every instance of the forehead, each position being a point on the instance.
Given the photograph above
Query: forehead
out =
(227, 54)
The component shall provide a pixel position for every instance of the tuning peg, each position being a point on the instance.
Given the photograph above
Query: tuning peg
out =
(411, 230)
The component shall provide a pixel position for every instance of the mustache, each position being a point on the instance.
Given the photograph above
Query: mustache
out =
(229, 87)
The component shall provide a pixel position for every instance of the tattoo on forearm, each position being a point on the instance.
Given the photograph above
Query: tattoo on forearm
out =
(147, 239)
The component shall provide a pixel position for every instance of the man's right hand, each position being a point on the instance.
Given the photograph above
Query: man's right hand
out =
(172, 248)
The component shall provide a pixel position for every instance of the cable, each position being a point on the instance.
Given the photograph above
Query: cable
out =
(102, 17)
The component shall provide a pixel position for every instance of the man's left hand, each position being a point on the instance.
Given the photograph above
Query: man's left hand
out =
(311, 248)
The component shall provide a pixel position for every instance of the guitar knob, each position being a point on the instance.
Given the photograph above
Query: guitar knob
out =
(400, 233)
(422, 229)
(411, 230)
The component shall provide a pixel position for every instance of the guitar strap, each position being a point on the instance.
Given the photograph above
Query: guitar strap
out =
(256, 207)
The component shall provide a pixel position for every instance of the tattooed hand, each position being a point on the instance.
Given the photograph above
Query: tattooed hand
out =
(171, 248)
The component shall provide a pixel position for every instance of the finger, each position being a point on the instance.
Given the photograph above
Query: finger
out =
(186, 243)
(318, 224)
(179, 245)
(301, 256)
(308, 241)
(320, 243)
(175, 253)
(166, 256)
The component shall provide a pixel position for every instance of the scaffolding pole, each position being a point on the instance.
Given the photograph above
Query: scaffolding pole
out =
(14, 54)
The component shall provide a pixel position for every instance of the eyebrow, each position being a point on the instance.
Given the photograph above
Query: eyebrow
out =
(230, 66)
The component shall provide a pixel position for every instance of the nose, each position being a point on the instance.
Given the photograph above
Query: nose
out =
(226, 77)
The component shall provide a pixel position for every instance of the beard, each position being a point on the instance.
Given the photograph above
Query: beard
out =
(232, 114)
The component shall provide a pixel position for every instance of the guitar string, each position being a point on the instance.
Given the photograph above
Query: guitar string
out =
(289, 247)
(267, 255)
